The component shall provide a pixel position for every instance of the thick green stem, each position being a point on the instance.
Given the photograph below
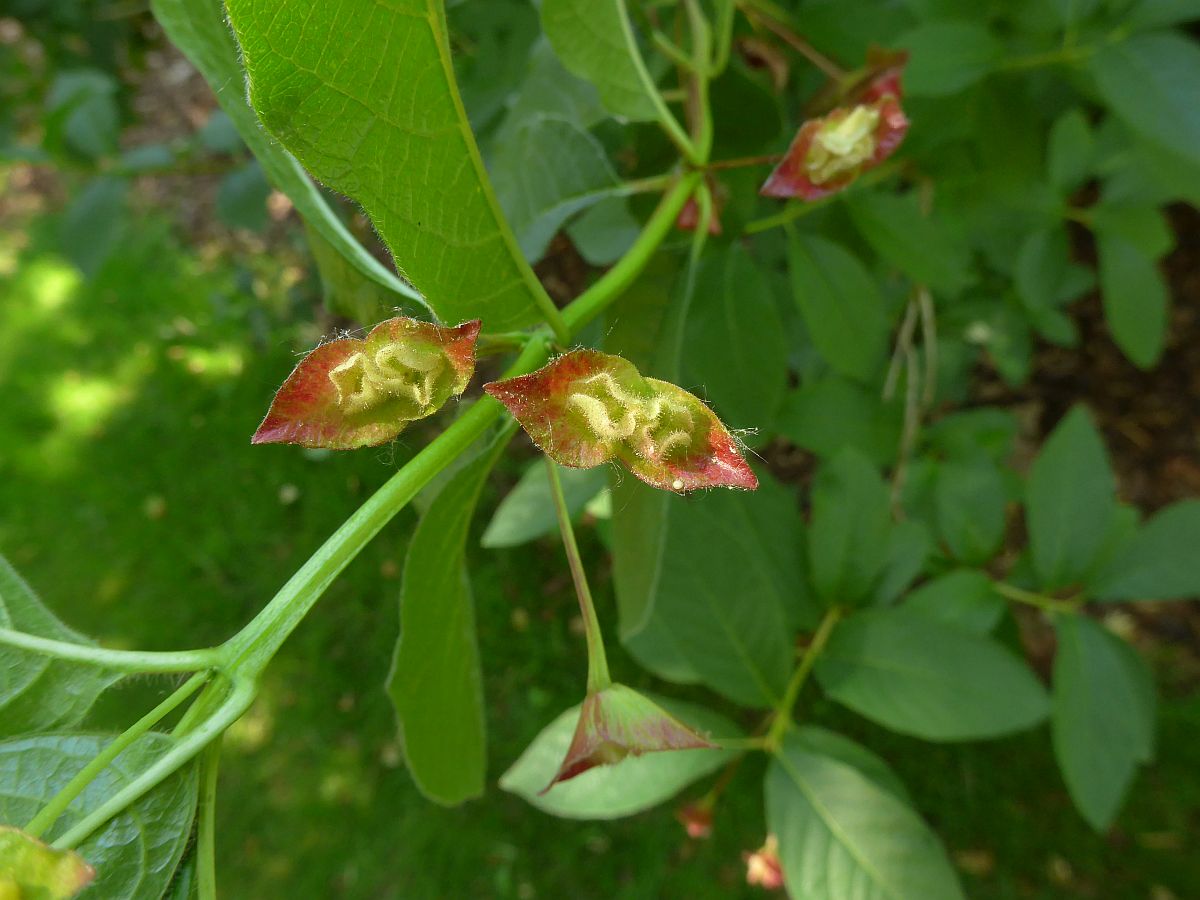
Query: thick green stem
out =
(166, 765)
(598, 678)
(133, 662)
(206, 837)
(783, 712)
(58, 804)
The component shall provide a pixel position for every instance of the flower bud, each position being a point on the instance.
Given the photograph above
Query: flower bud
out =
(697, 820)
(617, 722)
(358, 393)
(763, 867)
(588, 407)
(29, 868)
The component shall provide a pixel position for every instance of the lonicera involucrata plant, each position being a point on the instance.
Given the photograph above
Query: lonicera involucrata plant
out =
(829, 215)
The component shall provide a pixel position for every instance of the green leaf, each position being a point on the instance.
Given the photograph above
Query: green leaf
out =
(1150, 81)
(970, 500)
(1160, 562)
(1045, 279)
(920, 676)
(198, 28)
(546, 171)
(242, 198)
(528, 510)
(82, 113)
(823, 742)
(94, 223)
(921, 247)
(603, 233)
(594, 40)
(347, 291)
(38, 693)
(963, 598)
(136, 852)
(1070, 152)
(826, 414)
(946, 57)
(842, 834)
(632, 785)
(399, 145)
(1145, 227)
(1069, 502)
(1157, 13)
(965, 434)
(1103, 724)
(707, 588)
(908, 546)
(734, 319)
(851, 524)
(435, 683)
(841, 305)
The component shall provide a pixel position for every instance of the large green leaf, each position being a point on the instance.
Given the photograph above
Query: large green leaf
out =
(38, 693)
(595, 40)
(1103, 723)
(528, 510)
(632, 785)
(923, 248)
(920, 676)
(1160, 562)
(851, 524)
(136, 852)
(546, 171)
(734, 320)
(1150, 81)
(707, 587)
(963, 598)
(826, 414)
(436, 684)
(970, 500)
(1069, 501)
(843, 834)
(946, 57)
(1136, 299)
(327, 81)
(198, 28)
(841, 305)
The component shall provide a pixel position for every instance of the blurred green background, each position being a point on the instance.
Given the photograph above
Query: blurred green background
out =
(143, 330)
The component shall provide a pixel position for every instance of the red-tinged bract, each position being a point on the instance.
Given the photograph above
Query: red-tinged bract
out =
(697, 820)
(617, 722)
(763, 867)
(689, 218)
(830, 152)
(29, 868)
(362, 392)
(587, 407)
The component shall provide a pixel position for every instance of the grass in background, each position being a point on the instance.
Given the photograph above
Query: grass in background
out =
(131, 498)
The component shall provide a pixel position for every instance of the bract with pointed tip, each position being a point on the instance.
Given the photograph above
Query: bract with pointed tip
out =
(617, 722)
(587, 407)
(361, 392)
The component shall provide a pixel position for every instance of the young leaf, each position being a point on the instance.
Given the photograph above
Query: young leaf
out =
(38, 693)
(29, 868)
(1070, 153)
(920, 246)
(1136, 299)
(963, 598)
(1149, 81)
(826, 414)
(908, 546)
(851, 523)
(198, 28)
(970, 500)
(919, 676)
(528, 510)
(841, 305)
(946, 57)
(1103, 723)
(1069, 501)
(595, 40)
(723, 615)
(383, 137)
(1160, 562)
(630, 786)
(586, 408)
(435, 682)
(135, 854)
(358, 393)
(842, 834)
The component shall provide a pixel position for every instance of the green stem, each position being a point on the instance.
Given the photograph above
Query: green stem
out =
(206, 857)
(593, 301)
(501, 342)
(58, 804)
(184, 751)
(777, 20)
(1062, 56)
(800, 208)
(783, 712)
(130, 661)
(700, 111)
(598, 678)
(665, 118)
(1041, 601)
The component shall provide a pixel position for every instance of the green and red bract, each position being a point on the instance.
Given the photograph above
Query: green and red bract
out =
(361, 392)
(617, 722)
(829, 152)
(587, 407)
(31, 869)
